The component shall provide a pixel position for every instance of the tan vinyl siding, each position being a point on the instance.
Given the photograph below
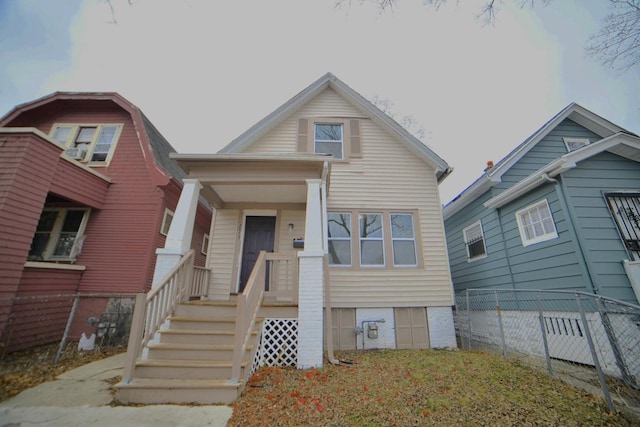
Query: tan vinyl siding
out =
(222, 251)
(386, 177)
(284, 245)
(284, 138)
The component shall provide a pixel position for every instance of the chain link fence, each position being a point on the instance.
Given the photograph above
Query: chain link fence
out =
(90, 321)
(585, 339)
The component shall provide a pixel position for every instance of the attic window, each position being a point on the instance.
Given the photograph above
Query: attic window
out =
(88, 143)
(328, 139)
(574, 144)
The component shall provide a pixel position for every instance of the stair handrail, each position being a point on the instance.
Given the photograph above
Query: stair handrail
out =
(248, 304)
(151, 312)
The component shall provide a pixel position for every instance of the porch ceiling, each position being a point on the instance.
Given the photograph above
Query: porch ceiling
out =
(254, 180)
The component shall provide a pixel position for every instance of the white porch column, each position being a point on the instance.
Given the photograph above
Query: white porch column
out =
(178, 239)
(310, 283)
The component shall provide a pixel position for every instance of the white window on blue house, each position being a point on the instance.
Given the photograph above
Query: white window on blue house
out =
(574, 144)
(536, 223)
(474, 241)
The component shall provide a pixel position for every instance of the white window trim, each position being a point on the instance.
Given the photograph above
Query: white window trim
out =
(55, 235)
(205, 244)
(167, 212)
(466, 241)
(538, 239)
(342, 131)
(75, 128)
(581, 141)
(348, 239)
(381, 239)
(404, 239)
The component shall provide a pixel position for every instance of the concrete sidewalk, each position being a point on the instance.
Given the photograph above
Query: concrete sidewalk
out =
(81, 397)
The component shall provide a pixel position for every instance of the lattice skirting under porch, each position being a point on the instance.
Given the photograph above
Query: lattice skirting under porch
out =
(278, 344)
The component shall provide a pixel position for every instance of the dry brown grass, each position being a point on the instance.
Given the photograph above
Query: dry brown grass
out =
(25, 369)
(415, 388)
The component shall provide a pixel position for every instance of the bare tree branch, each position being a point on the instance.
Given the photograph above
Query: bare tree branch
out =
(617, 44)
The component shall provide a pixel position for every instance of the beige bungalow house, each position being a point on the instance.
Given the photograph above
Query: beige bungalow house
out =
(327, 234)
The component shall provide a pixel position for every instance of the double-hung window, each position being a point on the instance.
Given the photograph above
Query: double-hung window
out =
(371, 239)
(88, 143)
(339, 234)
(403, 240)
(365, 239)
(58, 234)
(474, 241)
(536, 223)
(328, 139)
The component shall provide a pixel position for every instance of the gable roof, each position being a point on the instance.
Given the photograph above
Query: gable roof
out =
(155, 147)
(493, 176)
(622, 144)
(367, 108)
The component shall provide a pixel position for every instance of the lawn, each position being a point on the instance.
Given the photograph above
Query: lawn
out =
(415, 388)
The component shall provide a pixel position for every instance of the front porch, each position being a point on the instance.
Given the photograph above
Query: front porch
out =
(200, 333)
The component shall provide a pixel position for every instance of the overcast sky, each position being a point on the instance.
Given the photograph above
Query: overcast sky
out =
(205, 71)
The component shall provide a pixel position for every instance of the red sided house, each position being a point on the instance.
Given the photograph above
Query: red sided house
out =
(87, 194)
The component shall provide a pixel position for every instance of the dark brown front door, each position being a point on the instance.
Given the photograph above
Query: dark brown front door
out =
(259, 233)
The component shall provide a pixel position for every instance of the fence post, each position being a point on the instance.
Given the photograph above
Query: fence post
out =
(544, 335)
(63, 342)
(596, 362)
(504, 344)
(613, 340)
(469, 319)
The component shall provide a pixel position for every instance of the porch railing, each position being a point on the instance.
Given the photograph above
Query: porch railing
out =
(248, 304)
(152, 309)
(200, 282)
(283, 277)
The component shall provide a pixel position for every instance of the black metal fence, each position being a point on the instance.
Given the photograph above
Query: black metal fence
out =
(583, 338)
(91, 320)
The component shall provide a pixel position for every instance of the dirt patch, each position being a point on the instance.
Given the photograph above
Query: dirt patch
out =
(25, 369)
(410, 387)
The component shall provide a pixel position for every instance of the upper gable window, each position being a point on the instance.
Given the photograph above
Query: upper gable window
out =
(536, 223)
(88, 143)
(474, 241)
(339, 137)
(328, 139)
(574, 144)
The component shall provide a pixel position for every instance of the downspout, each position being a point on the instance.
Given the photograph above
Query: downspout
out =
(572, 229)
(506, 249)
(325, 266)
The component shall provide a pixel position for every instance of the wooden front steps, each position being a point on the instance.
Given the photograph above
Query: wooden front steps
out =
(192, 361)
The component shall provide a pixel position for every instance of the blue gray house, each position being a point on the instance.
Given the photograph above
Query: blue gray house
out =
(561, 212)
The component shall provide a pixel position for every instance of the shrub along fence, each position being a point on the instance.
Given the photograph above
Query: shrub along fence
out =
(585, 337)
(92, 320)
